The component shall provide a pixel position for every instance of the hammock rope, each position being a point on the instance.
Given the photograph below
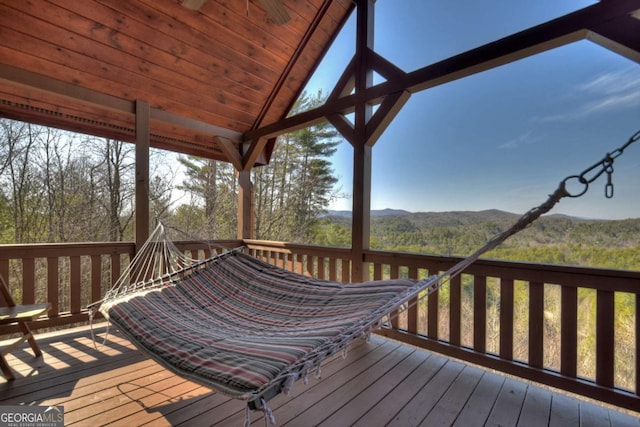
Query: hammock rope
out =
(160, 265)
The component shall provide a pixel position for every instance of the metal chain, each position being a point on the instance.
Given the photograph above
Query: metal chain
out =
(594, 172)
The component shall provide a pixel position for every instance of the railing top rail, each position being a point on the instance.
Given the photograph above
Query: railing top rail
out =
(296, 247)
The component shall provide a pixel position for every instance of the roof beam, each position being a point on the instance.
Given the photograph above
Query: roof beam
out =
(622, 39)
(254, 149)
(230, 150)
(195, 125)
(558, 32)
(39, 81)
(78, 93)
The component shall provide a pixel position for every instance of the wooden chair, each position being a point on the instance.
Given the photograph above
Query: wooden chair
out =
(20, 315)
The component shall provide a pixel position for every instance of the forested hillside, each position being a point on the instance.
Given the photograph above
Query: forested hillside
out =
(553, 239)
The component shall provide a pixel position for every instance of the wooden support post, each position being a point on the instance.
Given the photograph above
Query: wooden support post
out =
(142, 172)
(361, 213)
(245, 205)
(361, 217)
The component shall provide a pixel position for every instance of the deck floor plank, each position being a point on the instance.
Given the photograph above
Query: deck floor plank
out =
(478, 407)
(565, 411)
(417, 408)
(594, 416)
(348, 390)
(381, 382)
(350, 412)
(330, 367)
(405, 391)
(452, 402)
(507, 408)
(619, 419)
(145, 392)
(536, 408)
(329, 384)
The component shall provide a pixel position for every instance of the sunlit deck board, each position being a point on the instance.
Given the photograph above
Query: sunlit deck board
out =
(380, 382)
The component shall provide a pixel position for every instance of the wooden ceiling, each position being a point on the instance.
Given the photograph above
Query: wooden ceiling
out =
(220, 76)
(209, 75)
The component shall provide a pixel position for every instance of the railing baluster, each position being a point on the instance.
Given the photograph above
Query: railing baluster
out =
(333, 269)
(299, 264)
(96, 277)
(115, 268)
(506, 318)
(536, 324)
(637, 343)
(4, 272)
(321, 271)
(605, 330)
(455, 310)
(53, 285)
(432, 313)
(569, 331)
(480, 313)
(346, 270)
(394, 273)
(309, 265)
(291, 262)
(412, 313)
(75, 285)
(28, 281)
(377, 271)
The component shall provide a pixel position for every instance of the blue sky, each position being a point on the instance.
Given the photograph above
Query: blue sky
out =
(502, 139)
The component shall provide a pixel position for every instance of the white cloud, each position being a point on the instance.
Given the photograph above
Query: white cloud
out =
(607, 92)
(614, 83)
(519, 141)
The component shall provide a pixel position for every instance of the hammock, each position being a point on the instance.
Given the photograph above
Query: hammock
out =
(245, 327)
(249, 329)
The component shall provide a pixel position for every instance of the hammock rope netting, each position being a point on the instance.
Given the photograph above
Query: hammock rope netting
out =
(249, 329)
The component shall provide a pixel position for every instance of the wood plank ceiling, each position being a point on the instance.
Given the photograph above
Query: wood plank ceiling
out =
(209, 74)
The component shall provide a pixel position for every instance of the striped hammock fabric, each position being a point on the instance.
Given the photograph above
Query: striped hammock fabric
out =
(243, 326)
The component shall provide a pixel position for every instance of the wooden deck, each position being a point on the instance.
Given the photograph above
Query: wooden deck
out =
(381, 382)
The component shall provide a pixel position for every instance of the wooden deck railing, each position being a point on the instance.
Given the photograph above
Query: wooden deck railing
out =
(73, 275)
(577, 329)
(69, 276)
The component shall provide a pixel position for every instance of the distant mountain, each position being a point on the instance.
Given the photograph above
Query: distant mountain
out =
(460, 232)
(453, 217)
(380, 212)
